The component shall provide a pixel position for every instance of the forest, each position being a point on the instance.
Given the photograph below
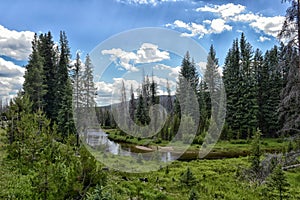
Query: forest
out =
(42, 155)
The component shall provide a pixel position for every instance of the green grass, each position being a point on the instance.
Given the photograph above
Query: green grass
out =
(236, 146)
(215, 179)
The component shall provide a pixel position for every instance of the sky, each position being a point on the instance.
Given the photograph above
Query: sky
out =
(101, 27)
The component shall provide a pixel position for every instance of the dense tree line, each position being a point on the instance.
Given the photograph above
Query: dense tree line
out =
(256, 84)
(47, 81)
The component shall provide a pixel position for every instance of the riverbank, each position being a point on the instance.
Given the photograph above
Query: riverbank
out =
(222, 149)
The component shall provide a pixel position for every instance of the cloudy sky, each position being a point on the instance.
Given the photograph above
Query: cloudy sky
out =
(90, 22)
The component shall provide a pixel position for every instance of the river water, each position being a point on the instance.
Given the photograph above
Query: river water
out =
(99, 140)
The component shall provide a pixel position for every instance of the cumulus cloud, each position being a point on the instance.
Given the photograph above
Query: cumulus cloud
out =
(216, 26)
(11, 79)
(122, 58)
(9, 69)
(147, 53)
(263, 38)
(228, 15)
(172, 71)
(225, 10)
(15, 44)
(269, 25)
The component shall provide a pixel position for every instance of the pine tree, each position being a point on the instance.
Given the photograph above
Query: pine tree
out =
(256, 152)
(241, 88)
(193, 194)
(66, 125)
(89, 92)
(77, 83)
(89, 89)
(248, 101)
(187, 85)
(203, 98)
(278, 182)
(49, 55)
(132, 105)
(169, 102)
(261, 82)
(291, 25)
(34, 85)
(141, 116)
(188, 178)
(231, 79)
(122, 111)
(290, 95)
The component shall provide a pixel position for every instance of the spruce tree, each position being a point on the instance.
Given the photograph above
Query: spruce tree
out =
(188, 78)
(132, 105)
(34, 85)
(89, 89)
(290, 95)
(277, 182)
(65, 118)
(49, 55)
(231, 79)
(247, 102)
(141, 115)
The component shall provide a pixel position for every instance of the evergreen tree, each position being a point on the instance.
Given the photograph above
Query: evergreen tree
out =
(169, 102)
(291, 26)
(261, 82)
(193, 195)
(65, 119)
(290, 95)
(241, 88)
(89, 89)
(247, 102)
(277, 182)
(132, 105)
(231, 79)
(187, 178)
(49, 55)
(187, 85)
(141, 115)
(34, 85)
(256, 152)
(89, 92)
(77, 83)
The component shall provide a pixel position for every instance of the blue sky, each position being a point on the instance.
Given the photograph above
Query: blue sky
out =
(90, 22)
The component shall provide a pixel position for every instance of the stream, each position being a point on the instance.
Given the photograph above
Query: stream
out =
(98, 139)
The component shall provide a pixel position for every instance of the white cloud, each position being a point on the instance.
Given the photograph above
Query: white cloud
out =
(11, 79)
(193, 28)
(263, 38)
(147, 2)
(147, 53)
(269, 25)
(122, 58)
(15, 44)
(225, 10)
(230, 13)
(9, 69)
(172, 71)
(249, 17)
(218, 26)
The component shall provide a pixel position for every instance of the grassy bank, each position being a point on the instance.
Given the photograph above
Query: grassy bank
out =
(213, 179)
(240, 146)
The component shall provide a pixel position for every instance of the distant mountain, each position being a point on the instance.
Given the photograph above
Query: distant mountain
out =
(162, 101)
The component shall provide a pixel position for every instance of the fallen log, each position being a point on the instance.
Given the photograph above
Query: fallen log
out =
(290, 167)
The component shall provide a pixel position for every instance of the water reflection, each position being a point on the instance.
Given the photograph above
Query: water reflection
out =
(99, 140)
